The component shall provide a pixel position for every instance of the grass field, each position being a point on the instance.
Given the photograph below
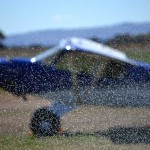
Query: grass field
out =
(84, 128)
(20, 52)
(15, 115)
(137, 52)
(64, 143)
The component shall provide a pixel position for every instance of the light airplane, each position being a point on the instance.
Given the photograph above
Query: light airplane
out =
(76, 72)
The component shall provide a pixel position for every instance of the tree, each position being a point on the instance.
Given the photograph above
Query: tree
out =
(1, 35)
(129, 39)
(1, 38)
(96, 39)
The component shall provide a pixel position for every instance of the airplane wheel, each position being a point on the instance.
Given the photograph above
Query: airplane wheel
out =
(44, 122)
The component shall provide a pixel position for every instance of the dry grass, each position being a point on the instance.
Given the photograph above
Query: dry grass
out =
(15, 115)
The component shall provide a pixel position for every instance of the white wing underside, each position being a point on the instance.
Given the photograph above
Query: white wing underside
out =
(87, 46)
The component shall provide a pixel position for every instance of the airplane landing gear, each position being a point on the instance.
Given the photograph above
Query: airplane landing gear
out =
(44, 122)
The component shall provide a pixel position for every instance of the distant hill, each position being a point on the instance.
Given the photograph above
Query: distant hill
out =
(51, 37)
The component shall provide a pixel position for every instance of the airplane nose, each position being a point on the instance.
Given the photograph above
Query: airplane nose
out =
(3, 66)
(3, 60)
(4, 63)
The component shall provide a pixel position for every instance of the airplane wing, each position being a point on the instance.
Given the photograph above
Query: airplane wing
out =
(86, 46)
(89, 46)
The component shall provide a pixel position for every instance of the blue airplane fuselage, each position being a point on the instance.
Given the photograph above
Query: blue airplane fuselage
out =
(21, 76)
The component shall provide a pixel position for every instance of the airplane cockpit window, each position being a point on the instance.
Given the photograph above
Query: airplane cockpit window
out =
(91, 64)
(116, 69)
(77, 62)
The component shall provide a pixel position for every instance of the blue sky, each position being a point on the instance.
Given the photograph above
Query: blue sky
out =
(20, 16)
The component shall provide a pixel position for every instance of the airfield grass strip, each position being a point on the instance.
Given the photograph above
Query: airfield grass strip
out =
(78, 142)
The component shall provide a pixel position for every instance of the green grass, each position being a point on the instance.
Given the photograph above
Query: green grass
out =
(138, 52)
(139, 55)
(16, 142)
(52, 143)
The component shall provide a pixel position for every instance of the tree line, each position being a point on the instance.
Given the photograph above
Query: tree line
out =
(1, 38)
(120, 39)
(129, 39)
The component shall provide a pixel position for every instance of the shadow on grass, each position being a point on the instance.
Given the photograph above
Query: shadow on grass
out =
(119, 135)
(129, 135)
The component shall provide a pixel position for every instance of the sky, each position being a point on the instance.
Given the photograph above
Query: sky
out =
(21, 16)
